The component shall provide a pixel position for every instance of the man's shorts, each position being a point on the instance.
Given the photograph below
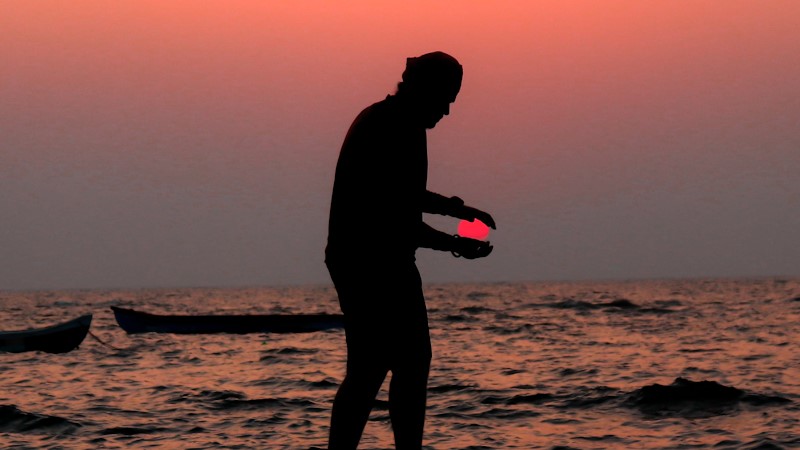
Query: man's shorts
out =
(386, 322)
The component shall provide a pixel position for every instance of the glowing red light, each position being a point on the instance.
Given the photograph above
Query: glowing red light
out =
(475, 229)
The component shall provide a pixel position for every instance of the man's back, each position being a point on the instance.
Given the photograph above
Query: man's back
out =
(380, 181)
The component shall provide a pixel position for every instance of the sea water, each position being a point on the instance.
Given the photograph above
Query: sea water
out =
(681, 364)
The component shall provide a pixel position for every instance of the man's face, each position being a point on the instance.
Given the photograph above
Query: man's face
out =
(436, 106)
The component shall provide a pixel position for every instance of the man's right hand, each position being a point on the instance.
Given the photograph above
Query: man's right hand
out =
(470, 248)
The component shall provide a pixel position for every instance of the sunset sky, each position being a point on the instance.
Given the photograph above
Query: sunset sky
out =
(193, 143)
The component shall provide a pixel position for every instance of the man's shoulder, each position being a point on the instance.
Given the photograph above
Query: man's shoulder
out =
(383, 120)
(381, 110)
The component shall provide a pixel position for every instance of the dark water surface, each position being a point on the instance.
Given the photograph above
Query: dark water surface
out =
(635, 365)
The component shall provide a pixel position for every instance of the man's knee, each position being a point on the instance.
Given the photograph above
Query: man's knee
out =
(416, 365)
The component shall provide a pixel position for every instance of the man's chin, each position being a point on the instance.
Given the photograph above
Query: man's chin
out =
(432, 123)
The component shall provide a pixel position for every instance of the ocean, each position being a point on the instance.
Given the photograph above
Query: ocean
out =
(672, 364)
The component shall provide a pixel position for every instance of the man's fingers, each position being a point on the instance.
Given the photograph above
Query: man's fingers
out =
(483, 217)
(479, 250)
(487, 219)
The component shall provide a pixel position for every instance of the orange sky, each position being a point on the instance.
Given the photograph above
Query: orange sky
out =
(177, 143)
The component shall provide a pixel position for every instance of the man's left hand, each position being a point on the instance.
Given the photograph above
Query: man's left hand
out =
(470, 213)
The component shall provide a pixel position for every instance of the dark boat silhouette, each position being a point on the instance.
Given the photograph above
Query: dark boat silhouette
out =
(59, 338)
(133, 321)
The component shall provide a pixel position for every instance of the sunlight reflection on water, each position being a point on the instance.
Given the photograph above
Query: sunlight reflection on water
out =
(536, 365)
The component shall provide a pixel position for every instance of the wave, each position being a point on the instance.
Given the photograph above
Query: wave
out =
(682, 390)
(292, 351)
(326, 383)
(505, 330)
(684, 396)
(529, 399)
(620, 304)
(476, 295)
(227, 399)
(568, 372)
(476, 310)
(443, 388)
(132, 431)
(681, 398)
(457, 318)
(584, 397)
(260, 403)
(768, 444)
(15, 420)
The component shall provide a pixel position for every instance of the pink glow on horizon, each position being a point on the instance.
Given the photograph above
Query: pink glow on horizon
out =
(164, 138)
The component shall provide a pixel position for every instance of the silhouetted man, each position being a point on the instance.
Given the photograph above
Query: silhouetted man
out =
(375, 228)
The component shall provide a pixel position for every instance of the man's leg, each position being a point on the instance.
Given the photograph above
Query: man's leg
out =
(353, 403)
(410, 366)
(366, 368)
(407, 398)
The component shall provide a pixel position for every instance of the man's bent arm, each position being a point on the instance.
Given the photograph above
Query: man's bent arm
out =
(434, 203)
(432, 238)
(466, 247)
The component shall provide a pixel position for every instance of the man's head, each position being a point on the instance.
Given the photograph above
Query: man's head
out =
(431, 82)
